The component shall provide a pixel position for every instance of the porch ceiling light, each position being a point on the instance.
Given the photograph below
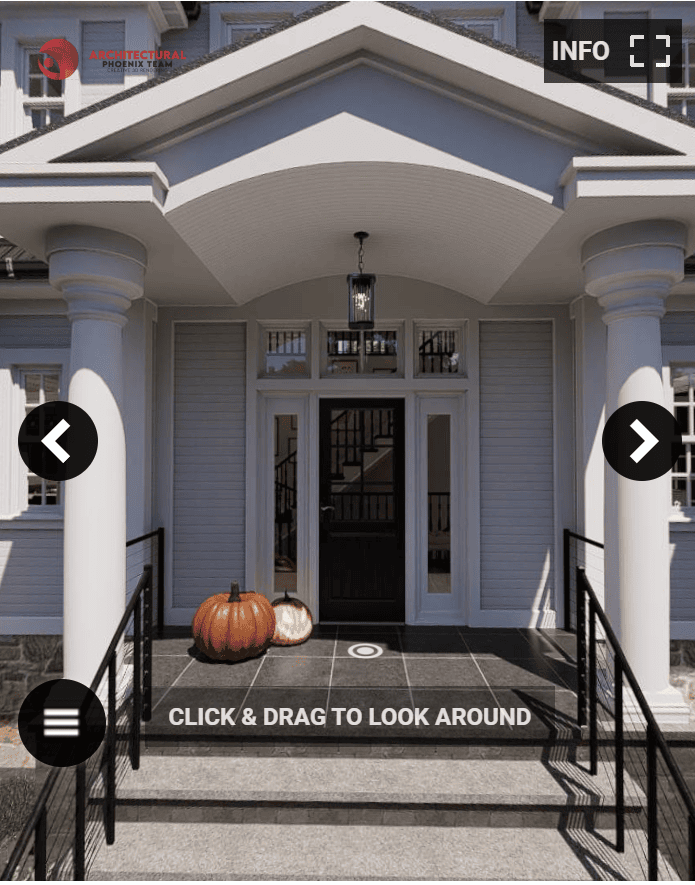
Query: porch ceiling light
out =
(361, 292)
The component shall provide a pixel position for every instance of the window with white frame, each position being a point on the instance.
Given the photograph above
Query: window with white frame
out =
(683, 473)
(488, 27)
(40, 386)
(43, 96)
(681, 94)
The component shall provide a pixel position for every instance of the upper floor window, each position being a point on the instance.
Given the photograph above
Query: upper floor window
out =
(683, 473)
(43, 97)
(40, 386)
(681, 94)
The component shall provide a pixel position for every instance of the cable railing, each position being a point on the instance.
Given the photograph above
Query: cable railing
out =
(75, 812)
(587, 554)
(626, 740)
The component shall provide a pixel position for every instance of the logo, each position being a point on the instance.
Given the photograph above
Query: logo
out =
(61, 53)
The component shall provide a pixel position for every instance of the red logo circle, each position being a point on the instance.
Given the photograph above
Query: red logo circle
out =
(62, 53)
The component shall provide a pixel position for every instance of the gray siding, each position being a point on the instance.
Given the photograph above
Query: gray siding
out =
(34, 331)
(209, 460)
(99, 82)
(678, 328)
(682, 576)
(516, 465)
(529, 31)
(31, 565)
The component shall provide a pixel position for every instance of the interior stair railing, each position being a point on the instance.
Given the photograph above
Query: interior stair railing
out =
(626, 741)
(76, 808)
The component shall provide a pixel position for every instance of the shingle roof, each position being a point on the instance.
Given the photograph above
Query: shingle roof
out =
(312, 13)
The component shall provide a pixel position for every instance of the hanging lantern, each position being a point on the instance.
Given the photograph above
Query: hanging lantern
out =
(361, 292)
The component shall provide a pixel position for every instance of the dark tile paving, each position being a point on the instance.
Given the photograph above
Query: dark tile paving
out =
(411, 659)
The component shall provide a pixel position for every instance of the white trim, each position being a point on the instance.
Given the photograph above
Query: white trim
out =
(17, 626)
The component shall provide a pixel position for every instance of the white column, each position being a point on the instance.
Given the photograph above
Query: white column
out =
(631, 269)
(98, 272)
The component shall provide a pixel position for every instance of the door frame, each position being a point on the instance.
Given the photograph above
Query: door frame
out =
(260, 523)
(397, 402)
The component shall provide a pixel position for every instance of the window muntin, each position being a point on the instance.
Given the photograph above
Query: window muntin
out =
(683, 473)
(40, 386)
(488, 27)
(238, 31)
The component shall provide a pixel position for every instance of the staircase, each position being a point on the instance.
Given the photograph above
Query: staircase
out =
(343, 812)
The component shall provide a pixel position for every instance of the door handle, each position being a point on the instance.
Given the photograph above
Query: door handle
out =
(325, 511)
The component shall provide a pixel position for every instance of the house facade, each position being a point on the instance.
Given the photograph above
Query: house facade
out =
(177, 245)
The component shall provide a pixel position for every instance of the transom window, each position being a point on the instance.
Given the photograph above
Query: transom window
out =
(351, 352)
(40, 386)
(439, 350)
(683, 474)
(43, 103)
(284, 351)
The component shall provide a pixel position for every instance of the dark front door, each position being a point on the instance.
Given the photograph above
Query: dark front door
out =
(362, 512)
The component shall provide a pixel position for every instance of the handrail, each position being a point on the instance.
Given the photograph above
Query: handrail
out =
(36, 823)
(655, 736)
(159, 533)
(567, 535)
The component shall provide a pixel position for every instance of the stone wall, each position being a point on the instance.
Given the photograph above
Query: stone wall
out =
(25, 662)
(683, 669)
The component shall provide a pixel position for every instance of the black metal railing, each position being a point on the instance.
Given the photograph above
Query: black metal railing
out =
(148, 548)
(75, 811)
(625, 736)
(585, 553)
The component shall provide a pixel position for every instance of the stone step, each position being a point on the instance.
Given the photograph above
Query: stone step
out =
(376, 791)
(324, 852)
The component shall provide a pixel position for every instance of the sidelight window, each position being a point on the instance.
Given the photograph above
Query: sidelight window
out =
(439, 504)
(285, 464)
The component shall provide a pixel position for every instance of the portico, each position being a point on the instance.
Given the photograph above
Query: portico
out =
(216, 228)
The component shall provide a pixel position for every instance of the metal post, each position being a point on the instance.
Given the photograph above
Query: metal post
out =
(593, 725)
(619, 758)
(652, 830)
(40, 847)
(137, 686)
(160, 581)
(147, 650)
(110, 791)
(80, 810)
(567, 573)
(691, 848)
(581, 649)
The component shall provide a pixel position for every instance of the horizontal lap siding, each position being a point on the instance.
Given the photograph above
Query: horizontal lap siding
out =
(31, 568)
(678, 328)
(682, 576)
(209, 460)
(516, 465)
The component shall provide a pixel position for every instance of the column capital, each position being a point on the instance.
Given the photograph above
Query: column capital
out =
(631, 268)
(98, 271)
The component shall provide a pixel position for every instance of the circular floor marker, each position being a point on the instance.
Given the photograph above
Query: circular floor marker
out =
(365, 650)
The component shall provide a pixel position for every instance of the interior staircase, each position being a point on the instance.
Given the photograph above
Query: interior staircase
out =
(360, 812)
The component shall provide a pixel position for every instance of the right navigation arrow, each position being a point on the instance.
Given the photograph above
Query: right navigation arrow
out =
(649, 441)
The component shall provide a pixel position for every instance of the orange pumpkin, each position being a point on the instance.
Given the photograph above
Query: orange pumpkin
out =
(235, 626)
(293, 621)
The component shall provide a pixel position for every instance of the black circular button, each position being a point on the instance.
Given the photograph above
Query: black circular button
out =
(642, 441)
(58, 441)
(62, 722)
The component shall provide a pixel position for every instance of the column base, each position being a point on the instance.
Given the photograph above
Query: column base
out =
(668, 706)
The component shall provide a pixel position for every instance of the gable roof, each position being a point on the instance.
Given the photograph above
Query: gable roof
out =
(160, 82)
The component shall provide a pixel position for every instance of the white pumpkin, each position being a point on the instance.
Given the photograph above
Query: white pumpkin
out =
(293, 621)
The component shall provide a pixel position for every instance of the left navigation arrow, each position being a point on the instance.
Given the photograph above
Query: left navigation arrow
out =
(38, 441)
(51, 443)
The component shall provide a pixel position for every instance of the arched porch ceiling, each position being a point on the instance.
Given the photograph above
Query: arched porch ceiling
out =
(287, 213)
